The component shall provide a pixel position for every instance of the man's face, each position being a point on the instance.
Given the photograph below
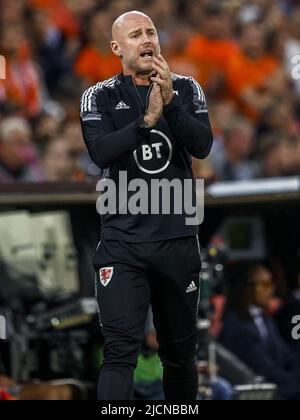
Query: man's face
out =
(58, 161)
(99, 31)
(12, 39)
(263, 287)
(277, 162)
(214, 27)
(18, 148)
(252, 41)
(241, 141)
(296, 24)
(136, 43)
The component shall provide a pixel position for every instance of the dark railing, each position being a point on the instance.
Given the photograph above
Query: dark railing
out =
(68, 194)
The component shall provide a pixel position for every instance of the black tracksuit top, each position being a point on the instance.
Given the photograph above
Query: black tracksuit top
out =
(111, 113)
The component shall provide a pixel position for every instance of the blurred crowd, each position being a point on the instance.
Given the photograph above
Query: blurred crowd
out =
(244, 53)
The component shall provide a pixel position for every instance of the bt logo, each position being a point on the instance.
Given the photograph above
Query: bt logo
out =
(296, 329)
(147, 151)
(154, 157)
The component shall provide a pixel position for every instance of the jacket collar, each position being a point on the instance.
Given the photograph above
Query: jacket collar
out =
(128, 80)
(125, 79)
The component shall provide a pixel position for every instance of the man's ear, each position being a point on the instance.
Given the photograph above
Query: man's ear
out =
(116, 49)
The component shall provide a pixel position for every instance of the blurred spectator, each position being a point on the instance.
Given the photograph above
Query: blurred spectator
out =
(96, 61)
(57, 161)
(274, 156)
(250, 70)
(46, 127)
(192, 12)
(158, 10)
(60, 15)
(18, 155)
(211, 49)
(233, 163)
(86, 169)
(12, 12)
(21, 90)
(50, 49)
(292, 47)
(203, 169)
(220, 388)
(148, 375)
(175, 51)
(69, 96)
(252, 335)
(118, 7)
(286, 314)
(280, 116)
(222, 113)
(241, 52)
(73, 136)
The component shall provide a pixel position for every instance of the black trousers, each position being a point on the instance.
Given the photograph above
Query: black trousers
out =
(129, 278)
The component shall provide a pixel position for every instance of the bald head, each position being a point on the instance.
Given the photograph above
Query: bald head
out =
(135, 42)
(126, 20)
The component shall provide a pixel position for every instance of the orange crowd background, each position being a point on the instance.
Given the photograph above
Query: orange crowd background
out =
(242, 52)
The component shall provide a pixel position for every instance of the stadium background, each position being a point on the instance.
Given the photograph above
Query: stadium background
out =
(244, 54)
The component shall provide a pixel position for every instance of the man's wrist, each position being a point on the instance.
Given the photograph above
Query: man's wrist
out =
(147, 122)
(170, 99)
(173, 104)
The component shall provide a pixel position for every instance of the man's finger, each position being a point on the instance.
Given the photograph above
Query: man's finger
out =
(157, 75)
(163, 65)
(160, 82)
(163, 74)
(159, 69)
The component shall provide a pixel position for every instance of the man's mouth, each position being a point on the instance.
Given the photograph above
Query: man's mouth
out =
(147, 55)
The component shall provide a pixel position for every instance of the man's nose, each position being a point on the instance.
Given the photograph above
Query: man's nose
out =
(146, 39)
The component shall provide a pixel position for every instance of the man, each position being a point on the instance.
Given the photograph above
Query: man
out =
(211, 48)
(18, 155)
(20, 91)
(233, 163)
(250, 333)
(57, 161)
(253, 77)
(274, 156)
(95, 61)
(147, 122)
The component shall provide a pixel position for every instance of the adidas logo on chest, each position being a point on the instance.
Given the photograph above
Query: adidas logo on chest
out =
(192, 287)
(121, 105)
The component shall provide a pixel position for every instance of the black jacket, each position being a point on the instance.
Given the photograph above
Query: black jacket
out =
(111, 113)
